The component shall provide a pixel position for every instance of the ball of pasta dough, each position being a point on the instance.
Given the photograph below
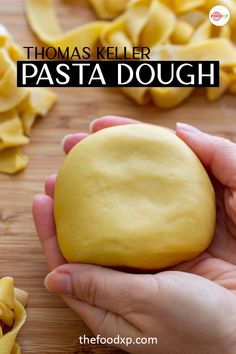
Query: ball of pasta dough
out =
(133, 196)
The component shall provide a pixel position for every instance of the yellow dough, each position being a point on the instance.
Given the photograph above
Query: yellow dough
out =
(133, 196)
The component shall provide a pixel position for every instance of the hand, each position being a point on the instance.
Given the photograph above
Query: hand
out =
(190, 308)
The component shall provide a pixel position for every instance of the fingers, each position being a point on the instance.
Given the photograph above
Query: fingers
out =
(101, 287)
(70, 141)
(50, 185)
(91, 315)
(44, 223)
(230, 206)
(109, 121)
(102, 322)
(217, 154)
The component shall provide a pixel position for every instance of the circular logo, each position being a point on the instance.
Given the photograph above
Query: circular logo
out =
(219, 15)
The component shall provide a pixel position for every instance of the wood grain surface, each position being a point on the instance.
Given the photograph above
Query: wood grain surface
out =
(50, 326)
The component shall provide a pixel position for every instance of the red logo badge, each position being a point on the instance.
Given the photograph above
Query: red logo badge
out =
(216, 16)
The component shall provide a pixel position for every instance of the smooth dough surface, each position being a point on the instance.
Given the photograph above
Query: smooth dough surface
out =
(133, 196)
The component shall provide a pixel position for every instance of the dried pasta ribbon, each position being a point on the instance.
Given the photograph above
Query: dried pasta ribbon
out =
(182, 33)
(194, 18)
(12, 160)
(208, 50)
(232, 86)
(21, 296)
(169, 97)
(159, 26)
(43, 21)
(115, 34)
(12, 315)
(213, 93)
(38, 103)
(183, 6)
(107, 9)
(19, 107)
(10, 95)
(11, 130)
(140, 94)
(145, 23)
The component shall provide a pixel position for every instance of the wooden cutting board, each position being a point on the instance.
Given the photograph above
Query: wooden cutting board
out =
(51, 327)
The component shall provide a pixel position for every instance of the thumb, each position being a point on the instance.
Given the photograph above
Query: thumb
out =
(101, 287)
(87, 290)
(217, 154)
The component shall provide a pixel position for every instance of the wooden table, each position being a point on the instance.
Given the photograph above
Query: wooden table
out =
(50, 326)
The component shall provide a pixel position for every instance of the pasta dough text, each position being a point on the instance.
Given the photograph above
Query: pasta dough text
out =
(173, 29)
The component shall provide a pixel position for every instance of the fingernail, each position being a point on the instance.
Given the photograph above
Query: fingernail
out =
(92, 124)
(187, 128)
(58, 282)
(38, 196)
(64, 140)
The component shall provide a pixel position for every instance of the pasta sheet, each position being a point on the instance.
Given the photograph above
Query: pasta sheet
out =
(19, 107)
(12, 315)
